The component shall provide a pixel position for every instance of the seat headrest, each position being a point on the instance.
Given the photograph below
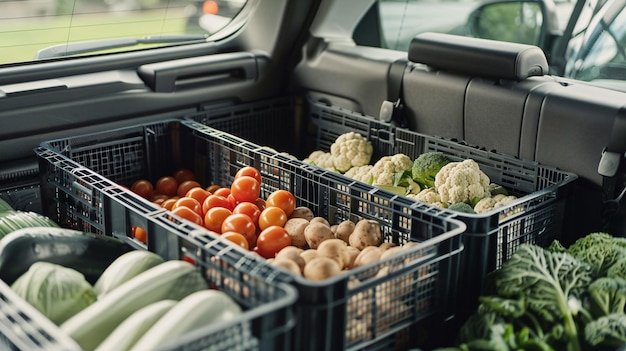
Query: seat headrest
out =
(479, 57)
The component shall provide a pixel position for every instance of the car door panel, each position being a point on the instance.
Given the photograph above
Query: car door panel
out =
(348, 75)
(72, 102)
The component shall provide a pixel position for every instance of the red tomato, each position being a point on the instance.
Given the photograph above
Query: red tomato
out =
(185, 186)
(236, 238)
(198, 193)
(272, 216)
(166, 185)
(222, 192)
(261, 204)
(249, 171)
(245, 189)
(271, 240)
(232, 202)
(249, 209)
(283, 199)
(183, 174)
(214, 218)
(189, 202)
(211, 188)
(169, 203)
(214, 201)
(139, 234)
(159, 198)
(188, 214)
(143, 188)
(240, 223)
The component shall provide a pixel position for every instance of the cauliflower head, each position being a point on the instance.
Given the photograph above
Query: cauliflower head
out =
(489, 203)
(350, 150)
(385, 169)
(321, 159)
(429, 196)
(360, 173)
(461, 182)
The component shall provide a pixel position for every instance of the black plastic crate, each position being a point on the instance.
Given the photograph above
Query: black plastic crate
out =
(491, 238)
(267, 320)
(422, 280)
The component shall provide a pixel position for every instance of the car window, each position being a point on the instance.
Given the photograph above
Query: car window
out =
(603, 56)
(41, 29)
(515, 21)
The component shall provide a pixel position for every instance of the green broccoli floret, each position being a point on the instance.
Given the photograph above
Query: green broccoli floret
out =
(618, 270)
(608, 295)
(426, 166)
(608, 332)
(599, 249)
(462, 207)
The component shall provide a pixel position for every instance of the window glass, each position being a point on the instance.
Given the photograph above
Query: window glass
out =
(28, 26)
(515, 21)
(604, 56)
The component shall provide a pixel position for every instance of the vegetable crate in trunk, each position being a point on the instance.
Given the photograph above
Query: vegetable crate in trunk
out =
(357, 309)
(79, 198)
(266, 321)
(490, 239)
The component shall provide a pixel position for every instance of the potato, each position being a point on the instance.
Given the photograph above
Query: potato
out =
(308, 255)
(288, 264)
(391, 252)
(353, 252)
(321, 268)
(333, 228)
(295, 229)
(320, 220)
(368, 255)
(410, 244)
(387, 245)
(366, 233)
(335, 249)
(316, 232)
(292, 253)
(302, 212)
(344, 229)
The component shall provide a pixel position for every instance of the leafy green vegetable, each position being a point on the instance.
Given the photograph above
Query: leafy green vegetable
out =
(404, 179)
(462, 207)
(549, 282)
(556, 246)
(56, 291)
(618, 270)
(598, 249)
(555, 298)
(426, 166)
(607, 295)
(608, 331)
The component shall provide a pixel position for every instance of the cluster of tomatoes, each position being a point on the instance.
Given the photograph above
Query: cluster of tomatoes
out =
(236, 212)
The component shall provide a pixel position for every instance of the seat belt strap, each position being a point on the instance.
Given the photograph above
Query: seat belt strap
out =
(391, 109)
(610, 164)
(614, 152)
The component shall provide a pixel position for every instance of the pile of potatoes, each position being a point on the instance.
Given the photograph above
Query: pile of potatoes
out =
(320, 250)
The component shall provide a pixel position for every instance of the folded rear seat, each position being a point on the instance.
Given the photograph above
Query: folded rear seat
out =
(498, 96)
(475, 90)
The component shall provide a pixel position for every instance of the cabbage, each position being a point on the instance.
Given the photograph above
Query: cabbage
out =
(56, 291)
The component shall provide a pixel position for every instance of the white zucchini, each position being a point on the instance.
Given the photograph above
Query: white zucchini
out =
(169, 280)
(124, 268)
(196, 311)
(133, 327)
